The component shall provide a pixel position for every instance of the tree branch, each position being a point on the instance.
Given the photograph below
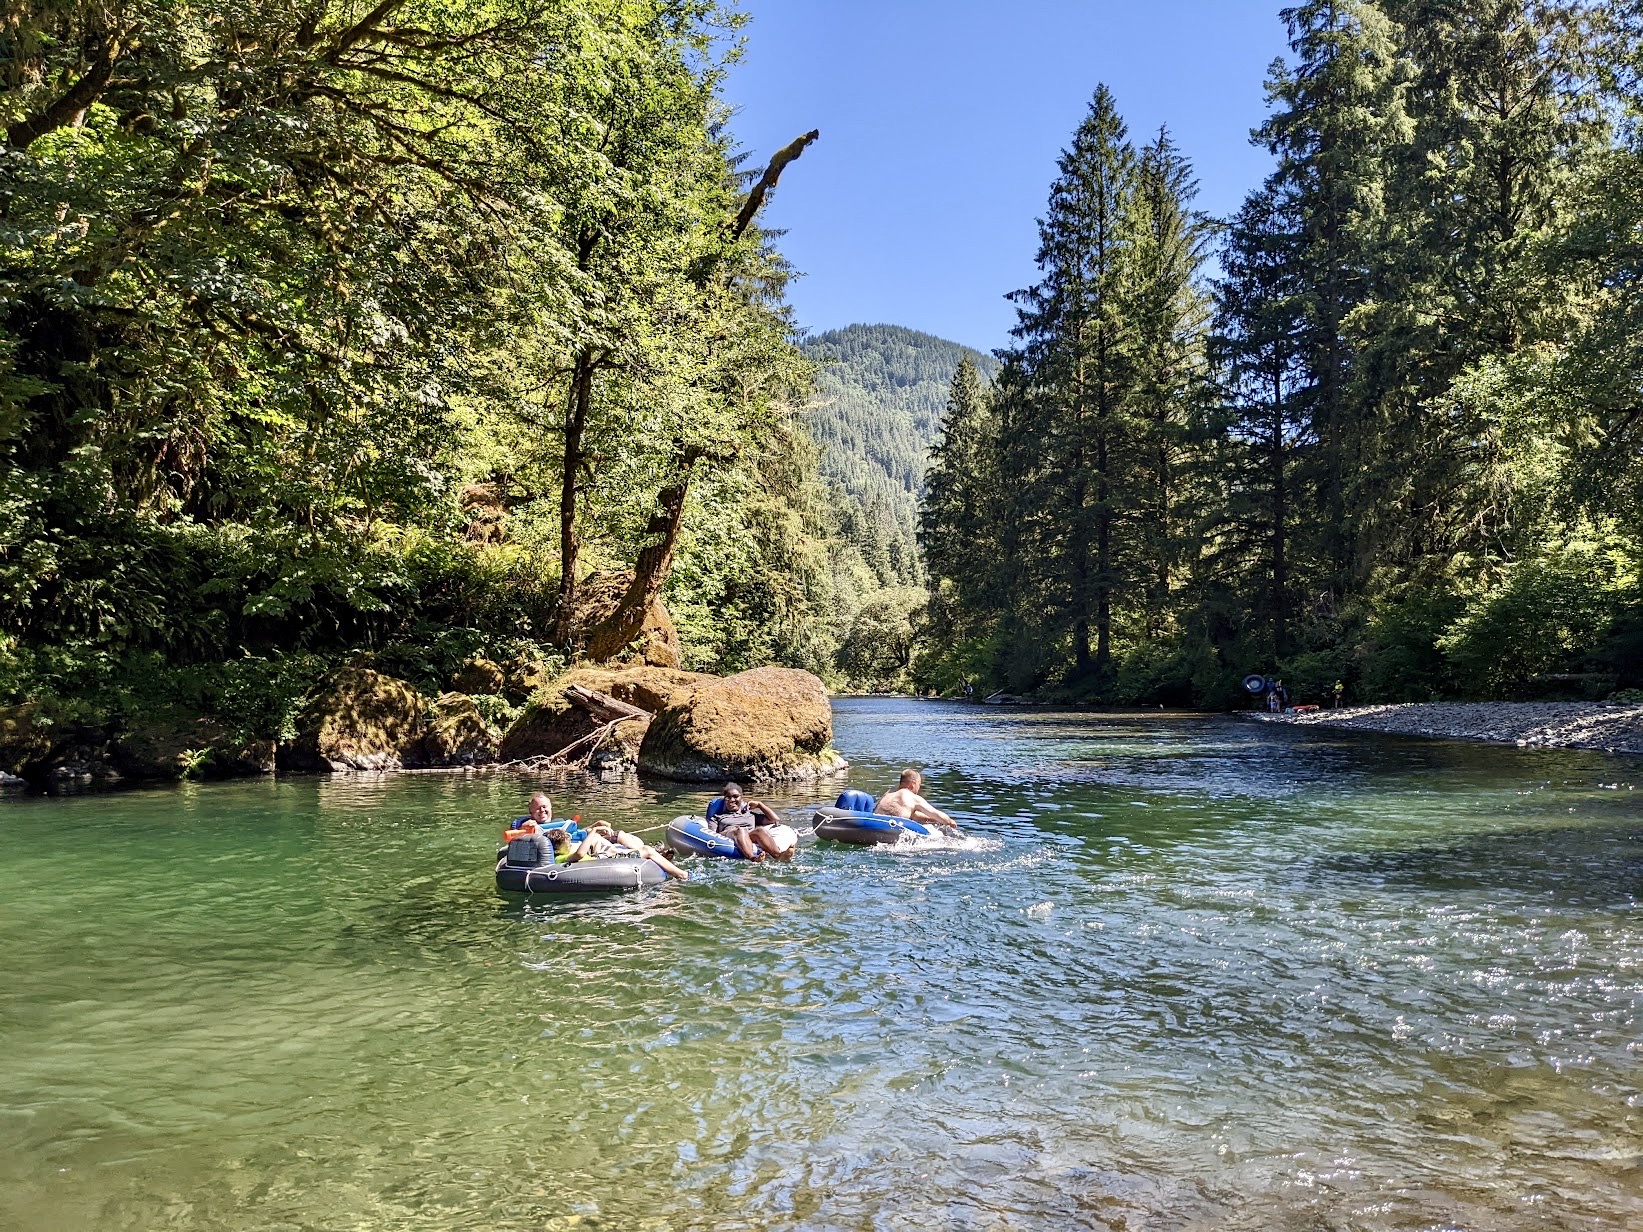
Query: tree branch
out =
(75, 99)
(767, 181)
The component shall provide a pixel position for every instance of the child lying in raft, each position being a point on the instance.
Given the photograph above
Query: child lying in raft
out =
(606, 840)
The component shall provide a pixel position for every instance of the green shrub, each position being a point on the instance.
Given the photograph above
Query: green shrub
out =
(1546, 616)
(1311, 677)
(1399, 660)
(1157, 674)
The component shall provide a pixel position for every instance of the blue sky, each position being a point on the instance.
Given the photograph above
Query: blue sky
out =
(941, 121)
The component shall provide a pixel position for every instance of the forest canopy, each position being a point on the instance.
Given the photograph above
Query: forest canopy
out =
(388, 327)
(416, 331)
(1382, 427)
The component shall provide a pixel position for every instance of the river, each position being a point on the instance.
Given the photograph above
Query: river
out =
(1185, 974)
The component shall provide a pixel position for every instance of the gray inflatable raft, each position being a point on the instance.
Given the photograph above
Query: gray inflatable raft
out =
(583, 877)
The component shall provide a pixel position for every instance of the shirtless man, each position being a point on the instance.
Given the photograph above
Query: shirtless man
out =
(905, 801)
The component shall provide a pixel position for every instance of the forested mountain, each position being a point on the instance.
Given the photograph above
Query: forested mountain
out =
(880, 394)
(1397, 443)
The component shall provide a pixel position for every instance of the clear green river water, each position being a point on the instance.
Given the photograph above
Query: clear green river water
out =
(1185, 974)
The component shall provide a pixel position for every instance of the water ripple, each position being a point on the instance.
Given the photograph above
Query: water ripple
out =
(1181, 973)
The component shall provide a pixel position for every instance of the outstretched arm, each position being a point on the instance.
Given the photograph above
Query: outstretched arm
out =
(923, 810)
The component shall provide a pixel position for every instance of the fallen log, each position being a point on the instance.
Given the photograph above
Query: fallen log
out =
(602, 706)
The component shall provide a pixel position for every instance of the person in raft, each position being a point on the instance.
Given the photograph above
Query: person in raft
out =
(905, 801)
(744, 822)
(602, 840)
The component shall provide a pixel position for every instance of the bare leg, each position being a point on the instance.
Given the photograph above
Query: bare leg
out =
(744, 844)
(764, 838)
(634, 843)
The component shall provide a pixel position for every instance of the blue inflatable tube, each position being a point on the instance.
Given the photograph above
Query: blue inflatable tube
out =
(852, 820)
(696, 836)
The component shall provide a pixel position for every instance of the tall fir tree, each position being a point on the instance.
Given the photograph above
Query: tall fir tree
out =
(1265, 436)
(1169, 310)
(1076, 352)
(1502, 110)
(1339, 109)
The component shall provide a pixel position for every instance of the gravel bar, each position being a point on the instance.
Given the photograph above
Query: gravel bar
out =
(1610, 727)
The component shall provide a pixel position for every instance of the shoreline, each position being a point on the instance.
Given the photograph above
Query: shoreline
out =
(1603, 727)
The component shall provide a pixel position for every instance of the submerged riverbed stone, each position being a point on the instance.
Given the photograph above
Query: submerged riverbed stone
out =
(360, 720)
(768, 723)
(457, 734)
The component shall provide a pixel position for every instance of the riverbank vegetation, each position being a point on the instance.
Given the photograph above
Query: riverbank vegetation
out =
(443, 340)
(1382, 426)
(403, 329)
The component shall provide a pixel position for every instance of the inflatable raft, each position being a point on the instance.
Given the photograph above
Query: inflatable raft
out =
(526, 866)
(695, 835)
(852, 820)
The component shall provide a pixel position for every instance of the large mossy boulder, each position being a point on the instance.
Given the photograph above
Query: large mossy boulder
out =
(57, 745)
(524, 676)
(550, 722)
(28, 737)
(480, 675)
(456, 735)
(769, 723)
(174, 743)
(359, 720)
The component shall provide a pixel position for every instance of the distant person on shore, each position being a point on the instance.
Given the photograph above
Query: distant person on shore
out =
(1340, 692)
(744, 822)
(905, 801)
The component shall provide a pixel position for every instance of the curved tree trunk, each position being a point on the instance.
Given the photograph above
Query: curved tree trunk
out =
(616, 632)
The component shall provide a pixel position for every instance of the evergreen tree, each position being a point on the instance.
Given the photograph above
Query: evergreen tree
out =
(957, 520)
(1502, 111)
(1168, 310)
(1077, 351)
(1339, 110)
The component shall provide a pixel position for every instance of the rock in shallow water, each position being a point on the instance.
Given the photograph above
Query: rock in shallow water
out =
(768, 723)
(457, 735)
(174, 743)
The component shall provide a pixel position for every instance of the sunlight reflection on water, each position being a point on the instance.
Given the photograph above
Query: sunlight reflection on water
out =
(1181, 973)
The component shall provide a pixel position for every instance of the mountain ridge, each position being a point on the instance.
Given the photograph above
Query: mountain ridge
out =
(881, 393)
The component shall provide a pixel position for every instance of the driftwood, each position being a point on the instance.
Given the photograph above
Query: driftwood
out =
(579, 752)
(602, 706)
